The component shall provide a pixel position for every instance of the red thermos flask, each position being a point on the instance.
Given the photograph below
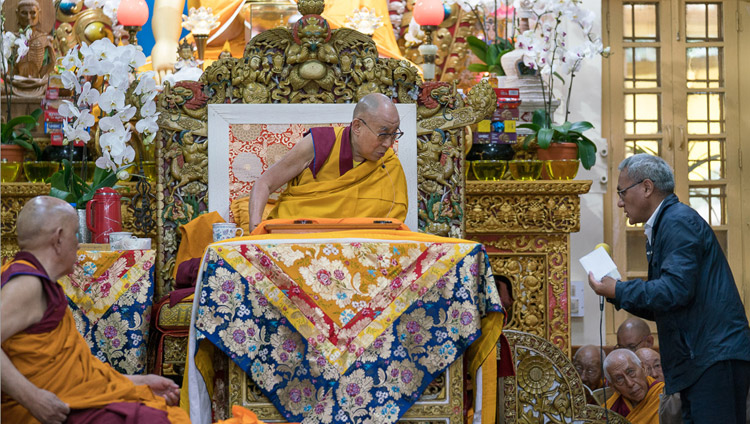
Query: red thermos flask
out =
(103, 214)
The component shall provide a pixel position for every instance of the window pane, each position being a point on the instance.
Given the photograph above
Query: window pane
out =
(706, 159)
(652, 147)
(709, 203)
(704, 67)
(639, 22)
(642, 113)
(641, 67)
(705, 113)
(703, 22)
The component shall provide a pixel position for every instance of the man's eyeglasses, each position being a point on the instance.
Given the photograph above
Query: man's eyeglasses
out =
(632, 346)
(384, 136)
(621, 193)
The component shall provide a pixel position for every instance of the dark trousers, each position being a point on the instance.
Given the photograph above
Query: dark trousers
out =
(719, 395)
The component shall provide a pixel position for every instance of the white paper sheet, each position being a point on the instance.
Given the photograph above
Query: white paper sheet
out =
(600, 264)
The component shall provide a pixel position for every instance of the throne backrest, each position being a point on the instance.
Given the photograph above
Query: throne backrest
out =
(546, 387)
(246, 139)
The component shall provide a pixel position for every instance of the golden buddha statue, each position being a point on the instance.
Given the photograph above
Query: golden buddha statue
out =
(40, 59)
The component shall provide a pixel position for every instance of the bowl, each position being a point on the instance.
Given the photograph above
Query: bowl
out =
(38, 171)
(525, 170)
(9, 171)
(489, 170)
(562, 169)
(90, 168)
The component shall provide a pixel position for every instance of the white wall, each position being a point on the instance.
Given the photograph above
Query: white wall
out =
(586, 104)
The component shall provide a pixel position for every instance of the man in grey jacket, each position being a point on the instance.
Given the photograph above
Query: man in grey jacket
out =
(690, 293)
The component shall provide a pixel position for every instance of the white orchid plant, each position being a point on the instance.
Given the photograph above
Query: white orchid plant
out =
(561, 38)
(113, 101)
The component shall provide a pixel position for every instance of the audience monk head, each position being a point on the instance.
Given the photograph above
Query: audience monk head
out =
(47, 227)
(588, 362)
(375, 126)
(651, 361)
(625, 374)
(634, 334)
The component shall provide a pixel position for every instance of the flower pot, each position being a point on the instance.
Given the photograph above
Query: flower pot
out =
(557, 151)
(37, 172)
(12, 153)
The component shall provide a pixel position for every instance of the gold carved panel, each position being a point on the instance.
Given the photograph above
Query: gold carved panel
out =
(442, 400)
(547, 387)
(523, 206)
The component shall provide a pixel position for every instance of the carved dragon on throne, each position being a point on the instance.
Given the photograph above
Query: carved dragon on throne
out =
(310, 63)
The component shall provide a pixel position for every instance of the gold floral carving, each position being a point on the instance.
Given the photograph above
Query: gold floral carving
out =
(546, 387)
(175, 350)
(80, 26)
(523, 206)
(443, 398)
(177, 316)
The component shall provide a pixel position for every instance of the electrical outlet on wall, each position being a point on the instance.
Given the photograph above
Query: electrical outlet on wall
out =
(577, 289)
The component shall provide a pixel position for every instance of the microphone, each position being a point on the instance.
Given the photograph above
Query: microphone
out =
(606, 248)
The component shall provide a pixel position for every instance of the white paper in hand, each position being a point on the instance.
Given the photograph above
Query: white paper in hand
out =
(600, 264)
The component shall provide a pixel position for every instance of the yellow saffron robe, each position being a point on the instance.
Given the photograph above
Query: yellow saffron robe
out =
(60, 362)
(647, 411)
(369, 190)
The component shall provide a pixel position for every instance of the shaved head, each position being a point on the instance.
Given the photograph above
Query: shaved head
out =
(651, 361)
(633, 334)
(40, 218)
(371, 105)
(588, 363)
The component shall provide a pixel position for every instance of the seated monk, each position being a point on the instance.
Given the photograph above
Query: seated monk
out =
(651, 361)
(588, 363)
(634, 334)
(636, 395)
(48, 371)
(347, 172)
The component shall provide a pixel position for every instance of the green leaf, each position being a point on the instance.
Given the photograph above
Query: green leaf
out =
(528, 140)
(581, 126)
(478, 47)
(559, 77)
(586, 152)
(493, 55)
(61, 194)
(545, 137)
(539, 118)
(497, 69)
(478, 67)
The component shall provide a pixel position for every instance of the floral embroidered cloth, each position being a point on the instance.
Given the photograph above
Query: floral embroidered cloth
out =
(110, 294)
(348, 327)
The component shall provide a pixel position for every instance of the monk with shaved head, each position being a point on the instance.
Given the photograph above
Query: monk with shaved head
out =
(588, 363)
(634, 334)
(340, 172)
(48, 371)
(636, 394)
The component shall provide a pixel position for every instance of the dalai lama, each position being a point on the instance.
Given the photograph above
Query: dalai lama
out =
(340, 172)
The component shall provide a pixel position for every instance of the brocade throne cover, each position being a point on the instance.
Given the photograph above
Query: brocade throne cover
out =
(346, 327)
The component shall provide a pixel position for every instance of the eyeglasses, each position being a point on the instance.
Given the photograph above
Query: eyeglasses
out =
(384, 136)
(632, 346)
(621, 193)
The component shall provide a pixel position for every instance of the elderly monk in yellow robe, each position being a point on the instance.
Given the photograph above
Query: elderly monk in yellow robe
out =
(347, 172)
(637, 395)
(48, 371)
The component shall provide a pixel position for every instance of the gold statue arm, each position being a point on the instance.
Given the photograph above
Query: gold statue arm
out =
(167, 26)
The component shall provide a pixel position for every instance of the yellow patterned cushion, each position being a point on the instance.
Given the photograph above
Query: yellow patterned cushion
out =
(176, 317)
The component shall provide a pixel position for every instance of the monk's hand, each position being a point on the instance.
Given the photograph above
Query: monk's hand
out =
(48, 408)
(162, 386)
(605, 288)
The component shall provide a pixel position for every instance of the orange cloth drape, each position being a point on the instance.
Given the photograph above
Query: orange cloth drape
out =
(196, 236)
(60, 361)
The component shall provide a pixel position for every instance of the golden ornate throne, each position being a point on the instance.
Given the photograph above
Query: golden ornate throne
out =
(312, 64)
(546, 387)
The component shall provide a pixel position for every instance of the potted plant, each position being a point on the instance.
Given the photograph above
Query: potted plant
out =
(17, 132)
(550, 49)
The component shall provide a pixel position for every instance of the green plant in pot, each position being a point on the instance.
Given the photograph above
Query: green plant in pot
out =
(18, 131)
(545, 134)
(66, 185)
(550, 47)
